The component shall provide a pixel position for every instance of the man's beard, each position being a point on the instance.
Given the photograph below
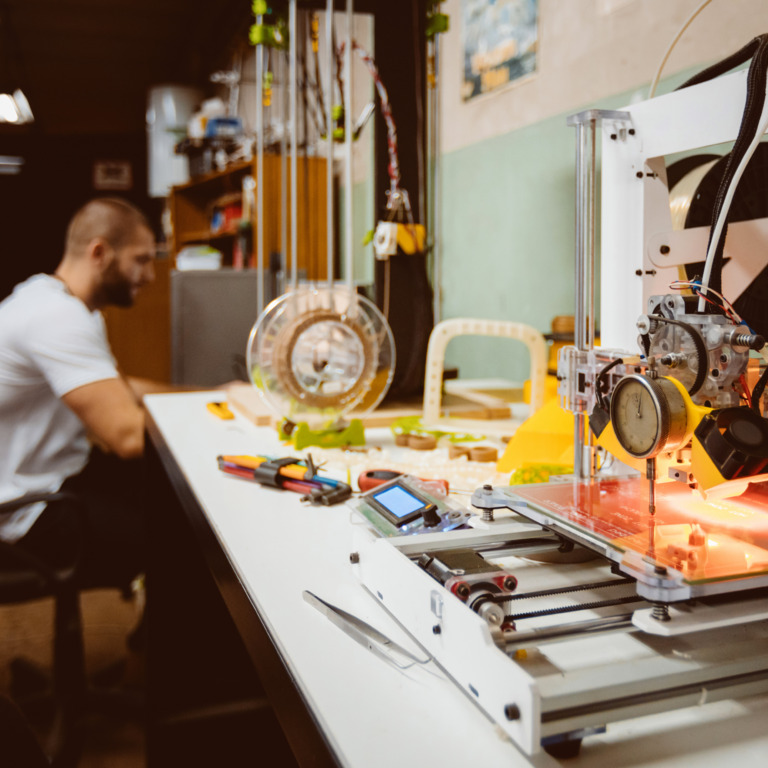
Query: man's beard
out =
(115, 289)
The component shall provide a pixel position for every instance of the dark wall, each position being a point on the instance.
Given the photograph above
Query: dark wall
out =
(56, 179)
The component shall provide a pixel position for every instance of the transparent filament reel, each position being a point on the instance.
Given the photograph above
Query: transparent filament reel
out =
(316, 354)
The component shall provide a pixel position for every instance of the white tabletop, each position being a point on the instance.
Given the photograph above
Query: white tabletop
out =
(373, 714)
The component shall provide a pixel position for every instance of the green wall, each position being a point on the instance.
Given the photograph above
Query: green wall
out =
(508, 235)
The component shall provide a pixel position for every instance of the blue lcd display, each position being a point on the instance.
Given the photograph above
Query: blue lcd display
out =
(398, 502)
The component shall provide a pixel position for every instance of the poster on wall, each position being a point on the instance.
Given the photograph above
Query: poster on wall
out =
(500, 39)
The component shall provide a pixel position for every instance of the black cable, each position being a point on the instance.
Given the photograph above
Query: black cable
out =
(721, 67)
(599, 381)
(701, 350)
(757, 391)
(757, 49)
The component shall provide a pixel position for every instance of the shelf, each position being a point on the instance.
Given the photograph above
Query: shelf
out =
(200, 183)
(205, 236)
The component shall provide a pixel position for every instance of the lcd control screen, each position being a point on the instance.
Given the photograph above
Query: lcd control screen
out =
(398, 504)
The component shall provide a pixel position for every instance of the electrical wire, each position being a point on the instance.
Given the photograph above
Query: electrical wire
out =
(672, 45)
(745, 389)
(396, 196)
(757, 392)
(701, 290)
(714, 239)
(599, 380)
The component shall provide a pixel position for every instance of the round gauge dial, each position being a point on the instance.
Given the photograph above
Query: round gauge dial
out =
(648, 415)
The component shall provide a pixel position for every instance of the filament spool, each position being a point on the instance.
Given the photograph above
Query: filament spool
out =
(315, 355)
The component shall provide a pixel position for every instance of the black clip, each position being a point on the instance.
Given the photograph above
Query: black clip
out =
(268, 472)
(327, 497)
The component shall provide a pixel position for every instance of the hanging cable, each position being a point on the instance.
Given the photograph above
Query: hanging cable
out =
(676, 39)
(396, 196)
(753, 126)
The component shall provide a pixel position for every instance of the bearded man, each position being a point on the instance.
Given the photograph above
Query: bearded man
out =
(61, 393)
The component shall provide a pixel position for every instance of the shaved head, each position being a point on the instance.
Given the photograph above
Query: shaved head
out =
(109, 218)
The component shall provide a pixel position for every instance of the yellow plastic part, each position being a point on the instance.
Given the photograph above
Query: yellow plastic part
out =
(410, 238)
(550, 389)
(544, 438)
(221, 410)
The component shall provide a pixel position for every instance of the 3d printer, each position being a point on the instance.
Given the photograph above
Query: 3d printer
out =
(671, 610)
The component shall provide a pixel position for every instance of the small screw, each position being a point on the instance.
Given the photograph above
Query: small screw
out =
(510, 583)
(631, 131)
(639, 272)
(664, 249)
(354, 558)
(512, 712)
(436, 629)
(639, 174)
(613, 136)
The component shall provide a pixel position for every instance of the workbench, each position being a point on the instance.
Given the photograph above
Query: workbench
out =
(242, 671)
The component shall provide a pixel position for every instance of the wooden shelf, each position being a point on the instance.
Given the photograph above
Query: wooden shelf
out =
(192, 206)
(206, 236)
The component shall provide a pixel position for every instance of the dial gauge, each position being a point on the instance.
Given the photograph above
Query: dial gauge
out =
(648, 415)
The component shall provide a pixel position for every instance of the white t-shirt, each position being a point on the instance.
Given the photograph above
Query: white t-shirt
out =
(50, 344)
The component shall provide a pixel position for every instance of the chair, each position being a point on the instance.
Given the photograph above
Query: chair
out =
(19, 743)
(25, 577)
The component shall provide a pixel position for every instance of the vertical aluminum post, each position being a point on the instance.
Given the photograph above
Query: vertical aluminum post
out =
(348, 143)
(584, 315)
(586, 124)
(329, 136)
(437, 266)
(293, 86)
(283, 173)
(259, 174)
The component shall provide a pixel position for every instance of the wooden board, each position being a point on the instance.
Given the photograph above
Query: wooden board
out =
(248, 402)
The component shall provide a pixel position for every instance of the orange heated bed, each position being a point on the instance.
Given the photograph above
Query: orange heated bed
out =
(705, 540)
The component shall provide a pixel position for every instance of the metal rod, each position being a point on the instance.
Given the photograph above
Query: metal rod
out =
(293, 77)
(283, 176)
(348, 144)
(259, 175)
(584, 336)
(514, 639)
(437, 266)
(329, 138)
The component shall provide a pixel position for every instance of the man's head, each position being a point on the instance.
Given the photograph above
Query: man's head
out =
(112, 242)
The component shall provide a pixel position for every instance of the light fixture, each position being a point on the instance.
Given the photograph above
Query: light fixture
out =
(15, 109)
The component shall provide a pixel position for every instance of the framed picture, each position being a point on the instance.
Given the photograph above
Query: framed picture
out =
(500, 39)
(112, 174)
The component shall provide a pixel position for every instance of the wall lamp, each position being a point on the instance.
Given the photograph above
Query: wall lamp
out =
(15, 109)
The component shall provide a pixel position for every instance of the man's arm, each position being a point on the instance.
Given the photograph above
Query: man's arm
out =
(110, 412)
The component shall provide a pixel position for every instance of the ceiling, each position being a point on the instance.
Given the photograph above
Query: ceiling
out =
(86, 65)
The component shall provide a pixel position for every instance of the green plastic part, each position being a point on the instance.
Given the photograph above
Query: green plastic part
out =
(436, 24)
(262, 34)
(411, 425)
(260, 7)
(303, 437)
(538, 473)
